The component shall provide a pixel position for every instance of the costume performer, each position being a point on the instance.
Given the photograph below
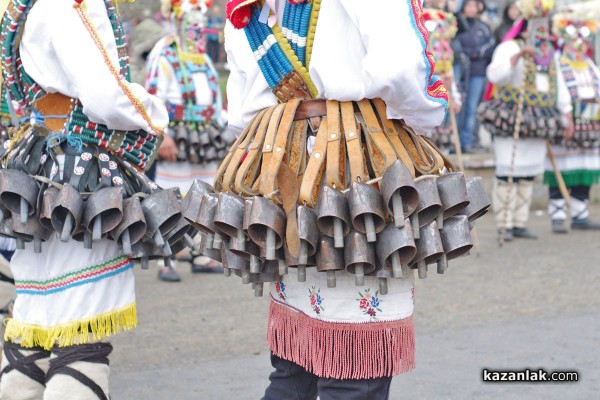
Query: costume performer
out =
(321, 163)
(73, 171)
(528, 94)
(182, 75)
(578, 158)
(442, 28)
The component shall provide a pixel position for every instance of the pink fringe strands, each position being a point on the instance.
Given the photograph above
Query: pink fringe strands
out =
(341, 350)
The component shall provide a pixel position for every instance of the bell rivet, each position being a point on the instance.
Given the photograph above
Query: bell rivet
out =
(333, 136)
(278, 149)
(317, 155)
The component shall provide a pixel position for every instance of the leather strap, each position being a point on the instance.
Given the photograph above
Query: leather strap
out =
(392, 134)
(238, 155)
(313, 176)
(335, 172)
(51, 105)
(248, 171)
(422, 163)
(311, 109)
(381, 153)
(268, 179)
(218, 181)
(356, 155)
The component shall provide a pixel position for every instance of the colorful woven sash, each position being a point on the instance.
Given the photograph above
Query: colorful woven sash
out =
(23, 89)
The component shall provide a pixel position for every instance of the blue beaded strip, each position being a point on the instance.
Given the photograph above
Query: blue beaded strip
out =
(271, 59)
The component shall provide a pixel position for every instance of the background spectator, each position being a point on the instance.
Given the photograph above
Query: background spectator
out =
(477, 44)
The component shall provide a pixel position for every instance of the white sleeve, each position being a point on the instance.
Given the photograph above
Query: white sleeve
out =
(59, 54)
(563, 97)
(501, 71)
(236, 83)
(397, 67)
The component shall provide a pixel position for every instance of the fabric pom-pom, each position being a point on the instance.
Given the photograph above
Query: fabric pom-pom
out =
(239, 12)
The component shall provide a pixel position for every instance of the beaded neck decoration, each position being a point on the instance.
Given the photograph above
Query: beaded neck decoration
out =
(138, 147)
(533, 97)
(568, 66)
(191, 113)
(282, 53)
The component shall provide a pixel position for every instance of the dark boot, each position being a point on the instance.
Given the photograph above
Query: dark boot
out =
(523, 233)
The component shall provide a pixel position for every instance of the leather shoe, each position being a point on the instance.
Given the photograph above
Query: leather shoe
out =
(559, 226)
(584, 224)
(523, 233)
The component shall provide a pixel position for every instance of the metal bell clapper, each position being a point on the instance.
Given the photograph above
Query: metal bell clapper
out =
(479, 202)
(266, 226)
(47, 204)
(206, 221)
(269, 274)
(162, 211)
(29, 231)
(430, 204)
(308, 233)
(133, 226)
(103, 211)
(181, 233)
(192, 201)
(234, 262)
(18, 193)
(399, 192)
(333, 215)
(453, 194)
(429, 249)
(229, 218)
(396, 247)
(367, 210)
(251, 249)
(456, 239)
(293, 262)
(205, 248)
(146, 251)
(329, 259)
(359, 256)
(67, 212)
(383, 274)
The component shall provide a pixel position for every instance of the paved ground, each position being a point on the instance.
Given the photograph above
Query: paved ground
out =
(530, 304)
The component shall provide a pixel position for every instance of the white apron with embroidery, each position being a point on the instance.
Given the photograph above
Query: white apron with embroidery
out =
(348, 332)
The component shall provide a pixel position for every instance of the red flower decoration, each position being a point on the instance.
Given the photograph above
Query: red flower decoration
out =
(371, 312)
(296, 1)
(364, 303)
(239, 12)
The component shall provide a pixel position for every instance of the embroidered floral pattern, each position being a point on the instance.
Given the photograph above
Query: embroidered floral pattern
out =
(369, 303)
(316, 301)
(280, 289)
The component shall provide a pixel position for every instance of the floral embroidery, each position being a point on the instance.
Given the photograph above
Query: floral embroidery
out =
(369, 303)
(280, 289)
(413, 295)
(314, 294)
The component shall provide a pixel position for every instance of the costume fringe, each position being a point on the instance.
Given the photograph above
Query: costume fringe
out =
(341, 350)
(72, 333)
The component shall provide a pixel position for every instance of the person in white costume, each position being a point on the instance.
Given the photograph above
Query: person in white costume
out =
(578, 159)
(350, 338)
(518, 65)
(183, 76)
(65, 64)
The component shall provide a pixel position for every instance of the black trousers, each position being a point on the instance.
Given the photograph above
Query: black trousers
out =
(290, 381)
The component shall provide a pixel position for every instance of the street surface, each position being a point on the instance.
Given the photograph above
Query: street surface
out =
(530, 304)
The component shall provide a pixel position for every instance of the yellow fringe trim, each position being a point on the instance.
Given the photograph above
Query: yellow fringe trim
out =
(72, 333)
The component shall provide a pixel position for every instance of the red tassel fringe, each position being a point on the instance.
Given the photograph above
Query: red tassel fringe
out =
(341, 350)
